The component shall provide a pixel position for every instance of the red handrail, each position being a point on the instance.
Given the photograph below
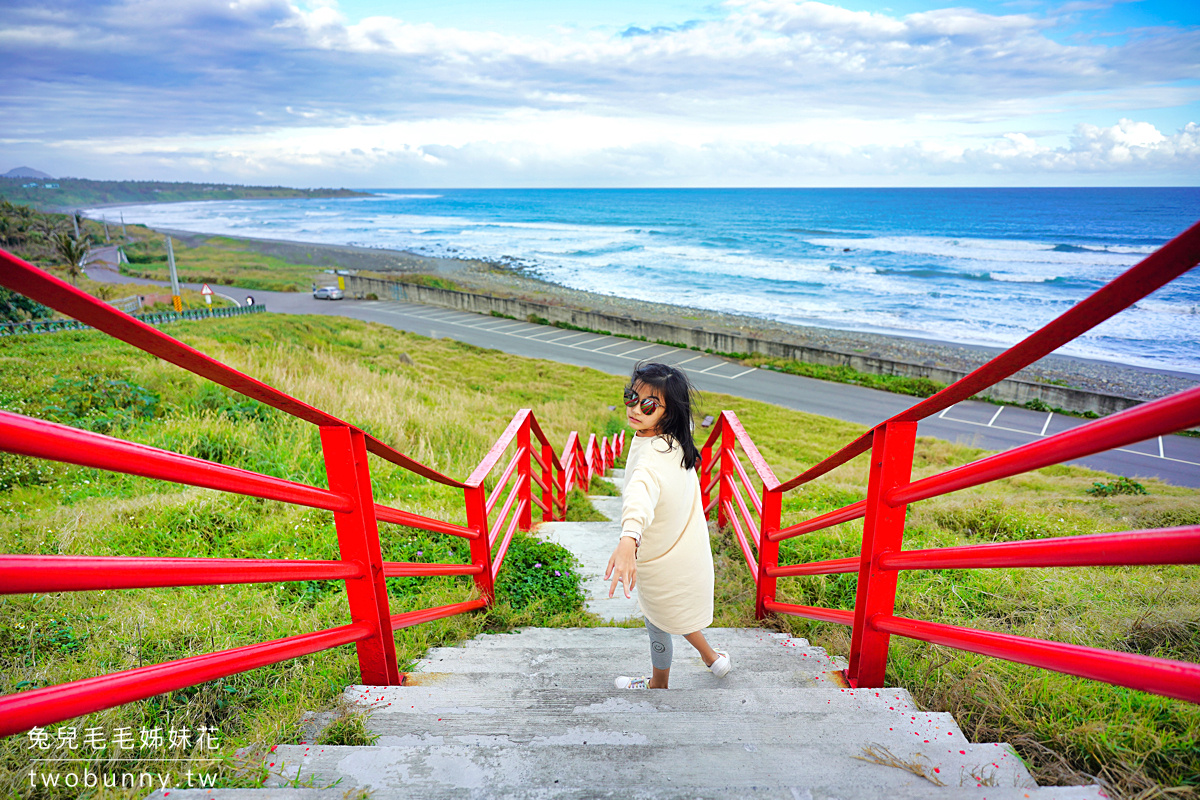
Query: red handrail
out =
(349, 496)
(890, 490)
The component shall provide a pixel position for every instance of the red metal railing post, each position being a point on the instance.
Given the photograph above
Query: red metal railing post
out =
(706, 469)
(481, 546)
(725, 487)
(768, 551)
(590, 459)
(345, 452)
(883, 532)
(525, 476)
(548, 482)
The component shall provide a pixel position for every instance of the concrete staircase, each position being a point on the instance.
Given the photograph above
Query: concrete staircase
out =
(534, 714)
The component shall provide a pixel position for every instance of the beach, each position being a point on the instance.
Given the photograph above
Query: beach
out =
(506, 279)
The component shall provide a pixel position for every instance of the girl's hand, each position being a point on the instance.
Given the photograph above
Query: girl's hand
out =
(622, 566)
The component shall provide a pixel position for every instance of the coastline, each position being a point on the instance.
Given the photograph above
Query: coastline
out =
(501, 280)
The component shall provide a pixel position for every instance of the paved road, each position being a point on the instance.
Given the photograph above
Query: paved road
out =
(1175, 459)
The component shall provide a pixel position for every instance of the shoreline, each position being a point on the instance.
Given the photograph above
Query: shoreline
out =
(501, 280)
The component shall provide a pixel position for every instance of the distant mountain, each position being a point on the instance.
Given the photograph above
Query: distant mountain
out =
(27, 172)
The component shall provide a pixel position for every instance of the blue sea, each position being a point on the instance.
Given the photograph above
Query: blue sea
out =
(977, 266)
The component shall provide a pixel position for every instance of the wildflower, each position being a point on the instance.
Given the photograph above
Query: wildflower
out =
(537, 565)
(557, 573)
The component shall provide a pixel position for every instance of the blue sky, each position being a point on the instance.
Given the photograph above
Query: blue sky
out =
(674, 93)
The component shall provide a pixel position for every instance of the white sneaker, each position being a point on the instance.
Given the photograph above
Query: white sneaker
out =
(721, 665)
(626, 682)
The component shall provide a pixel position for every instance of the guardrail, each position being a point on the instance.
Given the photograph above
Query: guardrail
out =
(348, 495)
(150, 318)
(758, 529)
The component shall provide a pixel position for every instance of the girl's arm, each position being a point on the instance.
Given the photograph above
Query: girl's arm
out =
(642, 490)
(622, 566)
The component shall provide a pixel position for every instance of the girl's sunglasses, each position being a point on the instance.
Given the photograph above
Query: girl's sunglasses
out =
(648, 405)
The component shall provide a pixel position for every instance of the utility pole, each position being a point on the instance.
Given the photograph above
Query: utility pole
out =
(106, 236)
(124, 235)
(176, 299)
(75, 219)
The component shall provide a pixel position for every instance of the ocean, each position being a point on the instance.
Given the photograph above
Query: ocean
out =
(976, 266)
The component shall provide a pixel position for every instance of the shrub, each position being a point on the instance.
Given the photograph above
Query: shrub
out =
(99, 405)
(1121, 485)
(540, 571)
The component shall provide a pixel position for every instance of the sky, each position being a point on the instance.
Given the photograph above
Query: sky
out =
(475, 93)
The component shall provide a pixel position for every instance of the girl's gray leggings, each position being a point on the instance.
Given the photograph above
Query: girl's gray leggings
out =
(660, 646)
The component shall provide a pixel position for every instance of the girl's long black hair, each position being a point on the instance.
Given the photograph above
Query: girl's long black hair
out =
(674, 387)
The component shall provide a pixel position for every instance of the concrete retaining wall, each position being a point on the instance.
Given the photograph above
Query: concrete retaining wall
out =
(1010, 391)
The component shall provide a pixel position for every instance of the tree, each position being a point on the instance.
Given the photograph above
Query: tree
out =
(73, 253)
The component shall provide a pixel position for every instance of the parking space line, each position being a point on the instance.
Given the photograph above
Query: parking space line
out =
(636, 350)
(614, 344)
(580, 345)
(693, 358)
(1118, 449)
(1049, 416)
(447, 314)
(502, 327)
(551, 332)
(714, 366)
(740, 374)
(563, 339)
(994, 416)
(1161, 454)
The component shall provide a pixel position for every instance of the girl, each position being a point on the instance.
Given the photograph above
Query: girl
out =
(664, 548)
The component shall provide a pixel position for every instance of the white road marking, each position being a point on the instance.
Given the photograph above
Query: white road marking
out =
(714, 366)
(635, 350)
(499, 328)
(740, 374)
(1161, 454)
(686, 360)
(1049, 416)
(997, 414)
(1118, 449)
(614, 344)
(563, 339)
(552, 331)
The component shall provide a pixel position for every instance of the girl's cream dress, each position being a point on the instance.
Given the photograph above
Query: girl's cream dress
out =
(662, 503)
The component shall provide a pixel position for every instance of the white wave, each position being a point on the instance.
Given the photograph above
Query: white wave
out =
(1012, 252)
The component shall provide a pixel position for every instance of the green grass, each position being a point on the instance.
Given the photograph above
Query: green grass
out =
(445, 403)
(80, 192)
(218, 260)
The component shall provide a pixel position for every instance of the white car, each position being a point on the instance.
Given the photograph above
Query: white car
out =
(328, 293)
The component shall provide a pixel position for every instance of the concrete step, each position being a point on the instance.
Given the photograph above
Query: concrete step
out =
(681, 679)
(445, 700)
(633, 647)
(488, 766)
(607, 505)
(935, 733)
(607, 663)
(557, 637)
(717, 792)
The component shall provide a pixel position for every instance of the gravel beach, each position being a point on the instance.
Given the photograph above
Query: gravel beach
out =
(506, 281)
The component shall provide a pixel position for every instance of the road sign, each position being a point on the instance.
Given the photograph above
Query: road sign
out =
(207, 290)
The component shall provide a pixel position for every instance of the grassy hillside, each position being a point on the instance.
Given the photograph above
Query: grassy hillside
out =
(446, 408)
(72, 193)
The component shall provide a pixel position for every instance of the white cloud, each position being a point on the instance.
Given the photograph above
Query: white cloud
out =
(771, 91)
